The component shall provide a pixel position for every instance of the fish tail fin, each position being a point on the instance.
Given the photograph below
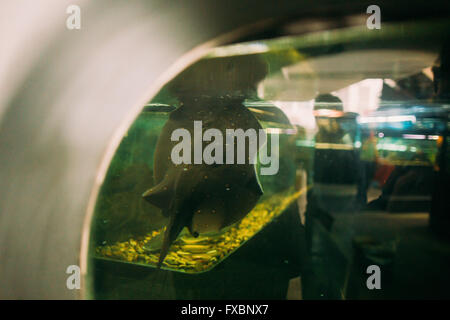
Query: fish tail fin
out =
(164, 196)
(173, 229)
(166, 240)
(177, 220)
(164, 249)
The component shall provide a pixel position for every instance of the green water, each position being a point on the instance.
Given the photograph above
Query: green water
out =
(122, 214)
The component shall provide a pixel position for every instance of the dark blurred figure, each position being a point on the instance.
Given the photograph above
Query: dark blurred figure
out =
(333, 169)
(334, 157)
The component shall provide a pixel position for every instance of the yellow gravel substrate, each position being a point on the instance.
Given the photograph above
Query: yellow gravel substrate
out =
(194, 255)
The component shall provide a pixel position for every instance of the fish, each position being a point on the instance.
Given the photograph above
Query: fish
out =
(202, 197)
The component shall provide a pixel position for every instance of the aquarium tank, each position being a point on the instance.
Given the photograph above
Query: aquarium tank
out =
(344, 166)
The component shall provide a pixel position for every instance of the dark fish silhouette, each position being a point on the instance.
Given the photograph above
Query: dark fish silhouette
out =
(202, 197)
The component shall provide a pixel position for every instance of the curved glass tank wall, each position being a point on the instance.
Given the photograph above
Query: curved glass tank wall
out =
(356, 126)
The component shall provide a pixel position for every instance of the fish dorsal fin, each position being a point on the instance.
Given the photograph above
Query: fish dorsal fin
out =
(161, 194)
